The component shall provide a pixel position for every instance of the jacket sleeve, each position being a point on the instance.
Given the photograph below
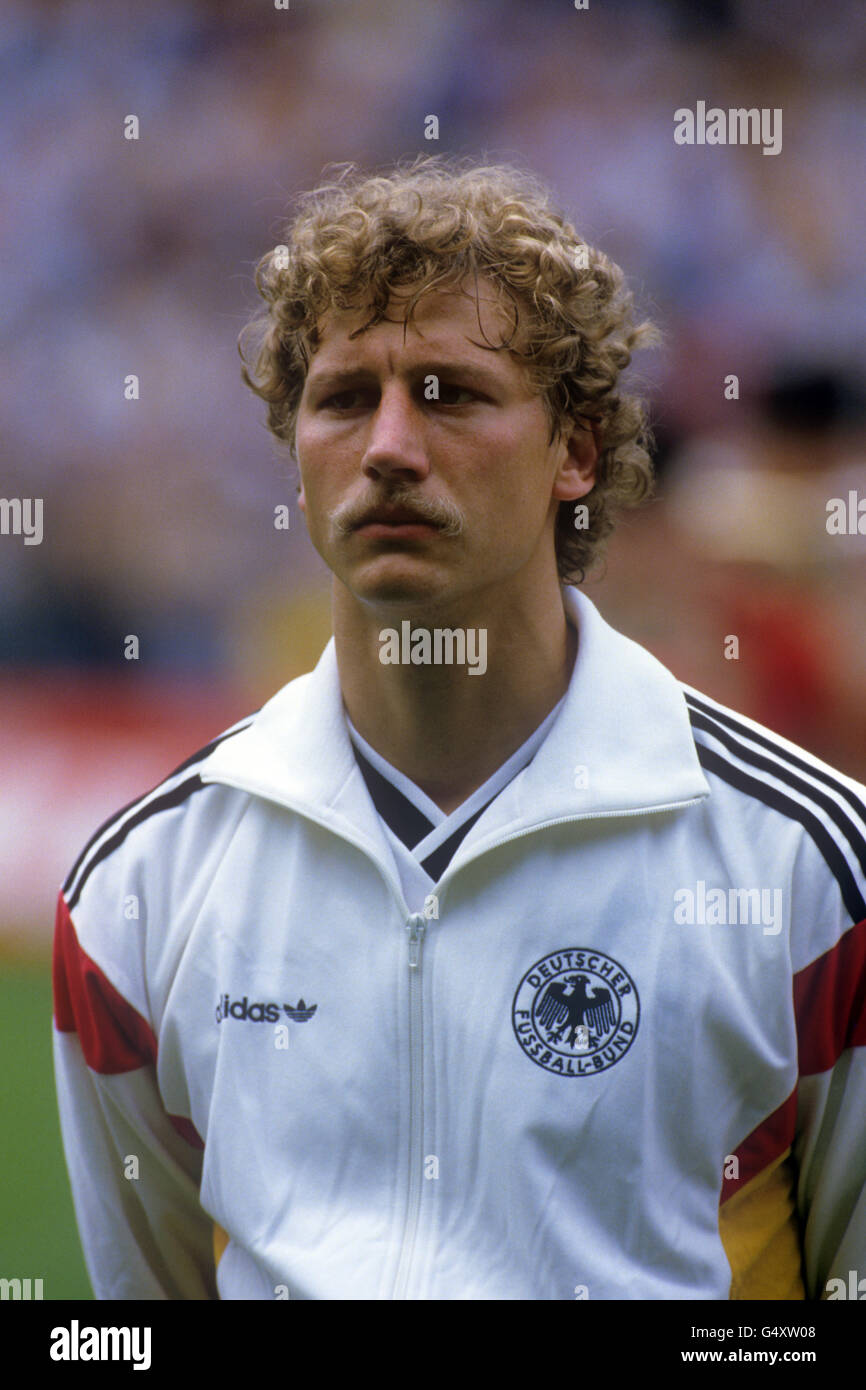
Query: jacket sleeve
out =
(135, 1170)
(830, 1005)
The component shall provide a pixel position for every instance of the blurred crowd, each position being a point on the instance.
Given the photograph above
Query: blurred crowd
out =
(135, 256)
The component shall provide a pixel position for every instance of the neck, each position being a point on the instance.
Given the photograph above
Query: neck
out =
(443, 727)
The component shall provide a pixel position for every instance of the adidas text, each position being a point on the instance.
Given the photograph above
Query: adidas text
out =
(261, 1012)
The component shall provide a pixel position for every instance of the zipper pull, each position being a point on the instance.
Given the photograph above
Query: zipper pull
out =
(416, 926)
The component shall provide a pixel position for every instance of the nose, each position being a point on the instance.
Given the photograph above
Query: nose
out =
(396, 447)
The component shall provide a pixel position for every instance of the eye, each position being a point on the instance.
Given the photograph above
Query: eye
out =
(449, 392)
(351, 399)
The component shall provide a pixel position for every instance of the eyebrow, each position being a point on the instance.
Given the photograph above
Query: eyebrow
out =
(334, 378)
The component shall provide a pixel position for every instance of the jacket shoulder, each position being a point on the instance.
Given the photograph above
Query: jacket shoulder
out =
(769, 780)
(139, 829)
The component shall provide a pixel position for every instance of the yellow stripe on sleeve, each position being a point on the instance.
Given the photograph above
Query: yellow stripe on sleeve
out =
(761, 1235)
(220, 1241)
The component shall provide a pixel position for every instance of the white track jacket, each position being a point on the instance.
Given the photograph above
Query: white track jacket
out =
(617, 1052)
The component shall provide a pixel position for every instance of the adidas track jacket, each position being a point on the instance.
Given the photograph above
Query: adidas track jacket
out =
(617, 1052)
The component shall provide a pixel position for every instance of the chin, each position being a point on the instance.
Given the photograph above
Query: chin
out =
(395, 583)
(399, 593)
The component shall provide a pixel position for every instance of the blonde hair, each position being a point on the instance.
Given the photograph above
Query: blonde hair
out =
(356, 240)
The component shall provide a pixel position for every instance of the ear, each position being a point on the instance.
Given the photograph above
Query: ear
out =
(302, 501)
(575, 475)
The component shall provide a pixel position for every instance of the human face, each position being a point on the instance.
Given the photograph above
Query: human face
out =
(409, 499)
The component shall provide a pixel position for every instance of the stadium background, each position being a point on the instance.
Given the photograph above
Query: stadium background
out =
(136, 257)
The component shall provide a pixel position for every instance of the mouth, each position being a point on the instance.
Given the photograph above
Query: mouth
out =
(395, 523)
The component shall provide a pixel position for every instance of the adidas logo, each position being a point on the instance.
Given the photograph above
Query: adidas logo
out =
(246, 1012)
(300, 1013)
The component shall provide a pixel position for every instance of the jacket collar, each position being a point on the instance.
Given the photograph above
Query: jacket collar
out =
(621, 744)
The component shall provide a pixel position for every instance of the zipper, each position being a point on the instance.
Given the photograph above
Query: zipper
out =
(416, 925)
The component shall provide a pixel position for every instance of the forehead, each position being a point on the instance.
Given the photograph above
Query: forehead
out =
(463, 320)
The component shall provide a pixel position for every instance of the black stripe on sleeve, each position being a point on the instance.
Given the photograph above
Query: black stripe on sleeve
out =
(771, 796)
(784, 754)
(175, 797)
(784, 774)
(194, 758)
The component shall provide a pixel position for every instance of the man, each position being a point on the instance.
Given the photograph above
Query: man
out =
(485, 961)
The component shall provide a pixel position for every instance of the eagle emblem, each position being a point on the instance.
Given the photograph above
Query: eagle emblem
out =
(576, 1012)
(567, 1004)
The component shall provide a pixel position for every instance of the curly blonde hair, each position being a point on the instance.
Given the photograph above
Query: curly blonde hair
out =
(357, 240)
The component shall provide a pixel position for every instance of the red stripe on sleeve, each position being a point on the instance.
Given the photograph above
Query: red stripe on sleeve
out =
(830, 1013)
(830, 1003)
(114, 1036)
(766, 1141)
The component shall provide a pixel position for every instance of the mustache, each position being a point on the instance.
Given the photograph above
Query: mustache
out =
(434, 510)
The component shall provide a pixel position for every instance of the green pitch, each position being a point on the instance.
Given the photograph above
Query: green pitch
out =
(38, 1235)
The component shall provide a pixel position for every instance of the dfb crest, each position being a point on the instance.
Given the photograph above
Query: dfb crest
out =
(576, 1012)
